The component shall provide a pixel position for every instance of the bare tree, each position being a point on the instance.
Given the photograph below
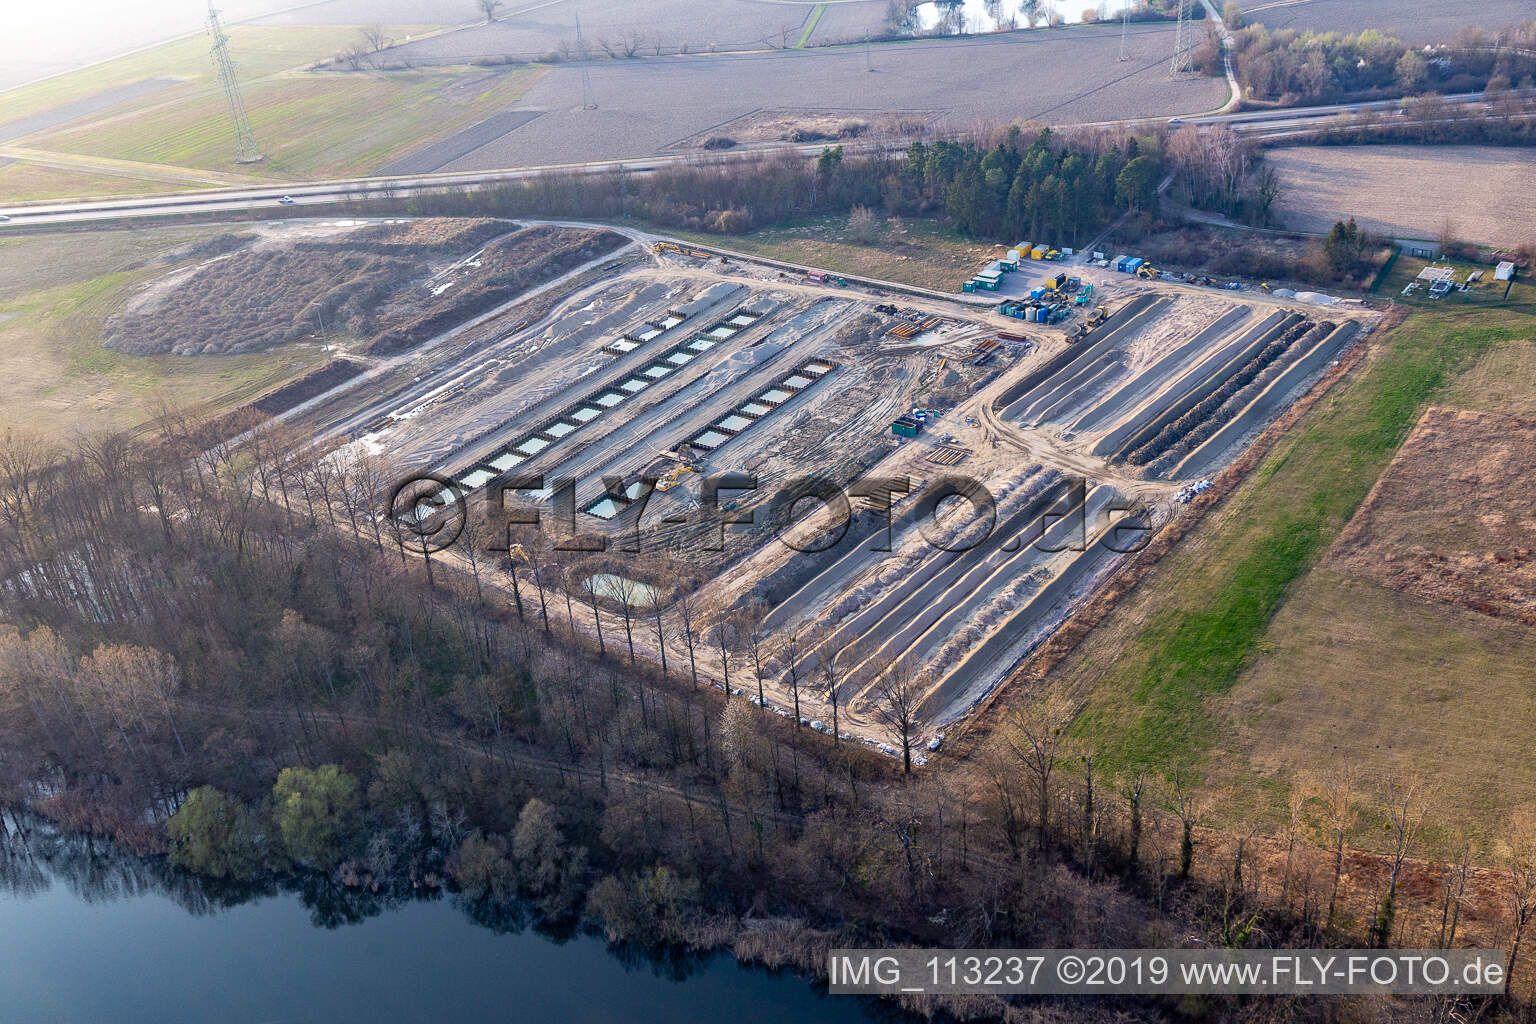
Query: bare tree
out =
(374, 38)
(830, 680)
(723, 635)
(1405, 806)
(1036, 735)
(1132, 791)
(488, 9)
(793, 656)
(1336, 794)
(899, 691)
(626, 590)
(1520, 881)
(589, 584)
(690, 634)
(1188, 810)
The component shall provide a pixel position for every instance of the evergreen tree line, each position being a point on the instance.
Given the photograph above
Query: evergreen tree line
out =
(1030, 183)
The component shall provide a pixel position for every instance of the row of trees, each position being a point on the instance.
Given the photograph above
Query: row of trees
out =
(1294, 68)
(1015, 182)
(195, 615)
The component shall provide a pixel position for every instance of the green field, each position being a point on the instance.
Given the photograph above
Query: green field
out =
(1156, 676)
(307, 123)
(56, 293)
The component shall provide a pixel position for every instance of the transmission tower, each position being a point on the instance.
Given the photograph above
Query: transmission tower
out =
(1125, 26)
(1181, 42)
(587, 102)
(245, 140)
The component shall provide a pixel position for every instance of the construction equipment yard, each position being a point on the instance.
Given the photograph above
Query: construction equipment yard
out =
(1030, 459)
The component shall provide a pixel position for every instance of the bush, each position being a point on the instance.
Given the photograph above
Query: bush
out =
(214, 834)
(318, 813)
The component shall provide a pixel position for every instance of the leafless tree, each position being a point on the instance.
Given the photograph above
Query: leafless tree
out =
(723, 635)
(488, 9)
(589, 584)
(830, 681)
(1337, 797)
(899, 690)
(627, 591)
(690, 634)
(374, 38)
(1520, 881)
(1133, 789)
(1188, 810)
(792, 654)
(1405, 804)
(1036, 735)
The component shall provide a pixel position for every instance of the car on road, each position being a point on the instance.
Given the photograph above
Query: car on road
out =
(286, 200)
(1175, 120)
(4, 219)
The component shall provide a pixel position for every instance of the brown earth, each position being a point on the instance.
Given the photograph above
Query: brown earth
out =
(1451, 519)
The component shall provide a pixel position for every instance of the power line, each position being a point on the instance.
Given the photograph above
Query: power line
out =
(1181, 41)
(587, 102)
(245, 139)
(1125, 25)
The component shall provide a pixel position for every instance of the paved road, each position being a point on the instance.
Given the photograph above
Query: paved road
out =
(329, 193)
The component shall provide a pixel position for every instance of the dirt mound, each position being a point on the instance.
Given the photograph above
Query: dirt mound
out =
(256, 299)
(506, 269)
(1451, 518)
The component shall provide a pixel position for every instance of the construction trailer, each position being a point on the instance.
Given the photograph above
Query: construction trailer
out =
(906, 426)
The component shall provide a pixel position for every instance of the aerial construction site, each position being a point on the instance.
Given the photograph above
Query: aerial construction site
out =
(803, 477)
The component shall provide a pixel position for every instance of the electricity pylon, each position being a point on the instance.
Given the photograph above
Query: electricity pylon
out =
(245, 139)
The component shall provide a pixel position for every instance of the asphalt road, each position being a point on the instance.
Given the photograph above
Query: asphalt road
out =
(329, 193)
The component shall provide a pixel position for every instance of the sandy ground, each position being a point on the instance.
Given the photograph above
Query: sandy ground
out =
(646, 105)
(1413, 21)
(1483, 192)
(963, 617)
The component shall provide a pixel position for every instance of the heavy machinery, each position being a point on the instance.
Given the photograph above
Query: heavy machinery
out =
(669, 248)
(1148, 272)
(1097, 316)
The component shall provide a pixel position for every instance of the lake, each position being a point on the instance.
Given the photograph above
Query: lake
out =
(88, 935)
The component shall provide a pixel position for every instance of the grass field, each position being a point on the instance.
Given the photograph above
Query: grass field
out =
(931, 256)
(306, 124)
(259, 51)
(56, 378)
(1156, 678)
(34, 181)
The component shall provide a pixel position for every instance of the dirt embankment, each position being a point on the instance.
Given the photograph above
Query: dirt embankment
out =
(507, 269)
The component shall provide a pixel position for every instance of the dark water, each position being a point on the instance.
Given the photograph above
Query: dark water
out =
(87, 935)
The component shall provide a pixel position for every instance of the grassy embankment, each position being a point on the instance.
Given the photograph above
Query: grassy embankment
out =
(930, 255)
(56, 293)
(1155, 676)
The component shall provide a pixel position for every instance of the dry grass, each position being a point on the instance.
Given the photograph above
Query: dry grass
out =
(1390, 684)
(1504, 381)
(1450, 520)
(22, 180)
(931, 255)
(56, 378)
(1482, 193)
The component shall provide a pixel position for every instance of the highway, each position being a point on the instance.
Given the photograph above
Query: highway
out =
(319, 194)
